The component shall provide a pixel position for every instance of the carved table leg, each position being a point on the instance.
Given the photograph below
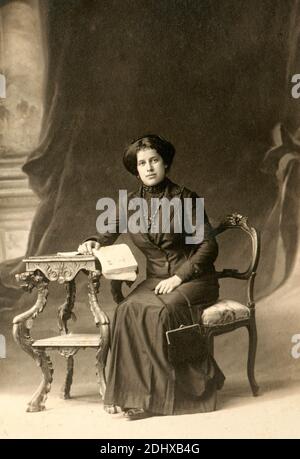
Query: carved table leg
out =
(102, 322)
(68, 353)
(65, 313)
(69, 378)
(21, 332)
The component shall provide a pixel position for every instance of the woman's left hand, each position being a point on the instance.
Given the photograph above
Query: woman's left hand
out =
(167, 285)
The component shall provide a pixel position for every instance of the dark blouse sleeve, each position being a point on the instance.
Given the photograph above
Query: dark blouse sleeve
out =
(204, 254)
(112, 230)
(104, 238)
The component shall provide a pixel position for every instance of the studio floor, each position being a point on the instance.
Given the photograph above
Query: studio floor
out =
(275, 413)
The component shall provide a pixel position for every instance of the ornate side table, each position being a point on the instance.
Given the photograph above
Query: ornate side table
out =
(39, 272)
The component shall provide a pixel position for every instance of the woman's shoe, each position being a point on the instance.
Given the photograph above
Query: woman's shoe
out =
(133, 414)
(111, 409)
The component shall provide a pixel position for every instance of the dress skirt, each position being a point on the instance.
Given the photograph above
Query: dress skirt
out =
(140, 375)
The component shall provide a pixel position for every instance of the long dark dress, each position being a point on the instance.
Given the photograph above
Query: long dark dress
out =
(140, 375)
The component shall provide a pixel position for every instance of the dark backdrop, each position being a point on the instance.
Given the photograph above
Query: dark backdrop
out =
(212, 76)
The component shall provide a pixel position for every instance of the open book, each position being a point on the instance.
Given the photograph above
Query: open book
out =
(117, 261)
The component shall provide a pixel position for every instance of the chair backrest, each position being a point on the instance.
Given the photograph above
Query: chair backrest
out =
(237, 221)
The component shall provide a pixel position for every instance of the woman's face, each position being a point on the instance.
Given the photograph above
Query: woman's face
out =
(150, 166)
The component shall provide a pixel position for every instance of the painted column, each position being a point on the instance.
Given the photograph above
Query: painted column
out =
(21, 102)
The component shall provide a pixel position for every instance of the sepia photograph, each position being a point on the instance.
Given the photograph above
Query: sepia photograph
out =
(149, 220)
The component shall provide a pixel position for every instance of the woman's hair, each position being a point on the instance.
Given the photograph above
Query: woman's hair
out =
(164, 148)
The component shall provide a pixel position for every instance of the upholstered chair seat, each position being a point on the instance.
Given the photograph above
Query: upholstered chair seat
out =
(224, 312)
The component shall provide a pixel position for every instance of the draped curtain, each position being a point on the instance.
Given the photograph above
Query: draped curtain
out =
(211, 76)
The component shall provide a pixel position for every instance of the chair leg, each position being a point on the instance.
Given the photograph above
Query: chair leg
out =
(251, 356)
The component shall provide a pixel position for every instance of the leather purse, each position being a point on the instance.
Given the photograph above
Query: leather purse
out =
(187, 343)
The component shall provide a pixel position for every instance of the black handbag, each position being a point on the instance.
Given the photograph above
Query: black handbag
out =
(187, 343)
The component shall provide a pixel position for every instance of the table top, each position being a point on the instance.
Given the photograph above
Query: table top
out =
(62, 268)
(56, 258)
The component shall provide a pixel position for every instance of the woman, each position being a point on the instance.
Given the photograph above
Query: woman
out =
(141, 380)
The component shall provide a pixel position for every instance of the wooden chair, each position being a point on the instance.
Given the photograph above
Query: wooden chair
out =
(228, 315)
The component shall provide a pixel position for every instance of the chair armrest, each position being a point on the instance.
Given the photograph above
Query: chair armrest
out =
(230, 273)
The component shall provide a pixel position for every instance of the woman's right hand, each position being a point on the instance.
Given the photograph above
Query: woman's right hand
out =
(87, 247)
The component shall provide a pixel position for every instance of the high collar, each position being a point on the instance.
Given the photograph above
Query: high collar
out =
(155, 190)
(171, 189)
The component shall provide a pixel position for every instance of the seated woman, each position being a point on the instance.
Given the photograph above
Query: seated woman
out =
(141, 380)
